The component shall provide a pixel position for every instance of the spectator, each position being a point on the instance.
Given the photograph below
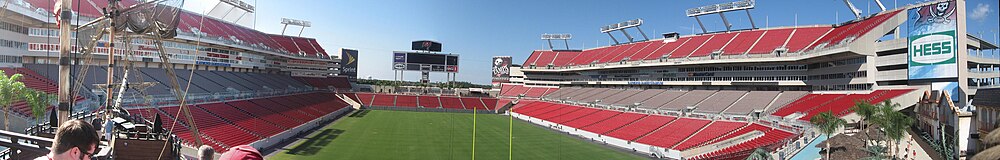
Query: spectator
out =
(206, 152)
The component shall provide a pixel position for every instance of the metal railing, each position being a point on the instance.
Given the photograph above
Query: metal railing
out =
(138, 101)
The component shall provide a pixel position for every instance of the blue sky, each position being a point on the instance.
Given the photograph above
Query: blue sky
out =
(479, 30)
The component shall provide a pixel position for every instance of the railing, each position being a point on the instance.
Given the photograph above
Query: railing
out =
(973, 86)
(983, 70)
(790, 148)
(44, 126)
(24, 143)
(133, 101)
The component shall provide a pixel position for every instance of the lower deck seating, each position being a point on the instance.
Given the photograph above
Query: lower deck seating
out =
(386, 100)
(452, 102)
(365, 98)
(241, 119)
(473, 103)
(214, 127)
(641, 127)
(595, 117)
(840, 104)
(563, 110)
(714, 130)
(406, 101)
(241, 122)
(562, 119)
(674, 132)
(428, 101)
(610, 124)
(677, 133)
(771, 137)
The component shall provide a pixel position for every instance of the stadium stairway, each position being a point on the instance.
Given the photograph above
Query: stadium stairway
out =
(672, 133)
(692, 135)
(349, 101)
(504, 104)
(722, 136)
(734, 102)
(716, 129)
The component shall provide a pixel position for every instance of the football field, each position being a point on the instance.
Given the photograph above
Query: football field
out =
(381, 134)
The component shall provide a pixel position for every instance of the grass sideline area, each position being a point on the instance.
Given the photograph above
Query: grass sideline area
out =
(382, 134)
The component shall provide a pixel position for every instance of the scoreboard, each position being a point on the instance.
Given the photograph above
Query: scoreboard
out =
(429, 62)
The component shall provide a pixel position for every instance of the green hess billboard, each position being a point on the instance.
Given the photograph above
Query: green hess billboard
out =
(932, 41)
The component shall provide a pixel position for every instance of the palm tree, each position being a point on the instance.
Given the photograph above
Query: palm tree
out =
(876, 151)
(760, 154)
(10, 92)
(828, 124)
(893, 124)
(39, 102)
(898, 124)
(867, 111)
(991, 139)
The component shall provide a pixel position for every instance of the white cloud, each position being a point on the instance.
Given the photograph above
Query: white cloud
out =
(981, 11)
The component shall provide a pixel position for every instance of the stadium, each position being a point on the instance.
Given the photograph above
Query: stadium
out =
(161, 82)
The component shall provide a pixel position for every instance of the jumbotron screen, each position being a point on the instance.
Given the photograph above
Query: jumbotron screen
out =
(412, 61)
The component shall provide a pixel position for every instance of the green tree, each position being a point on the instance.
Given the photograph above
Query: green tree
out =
(10, 92)
(760, 154)
(828, 124)
(867, 111)
(876, 151)
(893, 124)
(39, 102)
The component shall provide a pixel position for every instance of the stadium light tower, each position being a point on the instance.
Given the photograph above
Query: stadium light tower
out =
(855, 10)
(294, 22)
(621, 26)
(721, 8)
(550, 37)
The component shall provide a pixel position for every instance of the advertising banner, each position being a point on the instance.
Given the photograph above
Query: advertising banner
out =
(932, 45)
(349, 63)
(501, 69)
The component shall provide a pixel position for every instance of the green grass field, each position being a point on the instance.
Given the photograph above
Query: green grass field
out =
(424, 135)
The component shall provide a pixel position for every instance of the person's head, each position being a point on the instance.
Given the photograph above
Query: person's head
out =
(206, 152)
(75, 139)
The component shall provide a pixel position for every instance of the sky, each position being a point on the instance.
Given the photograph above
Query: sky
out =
(478, 30)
